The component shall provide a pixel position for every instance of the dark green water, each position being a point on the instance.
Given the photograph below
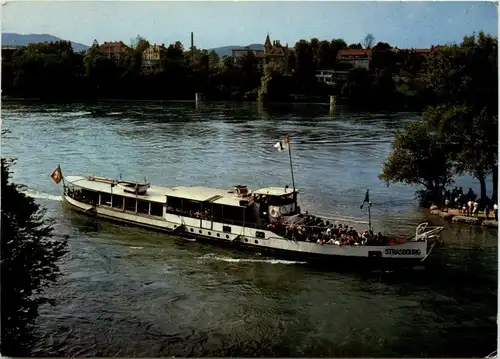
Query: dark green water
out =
(131, 292)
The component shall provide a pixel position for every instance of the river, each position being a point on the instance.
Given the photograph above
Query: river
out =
(132, 292)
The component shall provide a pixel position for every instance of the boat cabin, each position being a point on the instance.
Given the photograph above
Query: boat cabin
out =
(237, 206)
(276, 202)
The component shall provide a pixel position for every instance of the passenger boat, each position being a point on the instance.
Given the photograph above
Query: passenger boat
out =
(265, 219)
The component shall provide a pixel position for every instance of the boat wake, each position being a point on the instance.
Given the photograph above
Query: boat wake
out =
(40, 195)
(247, 260)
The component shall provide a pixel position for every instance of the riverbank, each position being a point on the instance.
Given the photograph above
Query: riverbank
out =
(456, 216)
(293, 100)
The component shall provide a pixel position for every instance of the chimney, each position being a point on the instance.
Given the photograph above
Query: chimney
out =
(192, 41)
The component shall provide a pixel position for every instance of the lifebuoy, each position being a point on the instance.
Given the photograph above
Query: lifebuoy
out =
(274, 213)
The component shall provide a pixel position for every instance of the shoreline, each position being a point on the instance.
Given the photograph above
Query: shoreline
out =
(455, 216)
(312, 101)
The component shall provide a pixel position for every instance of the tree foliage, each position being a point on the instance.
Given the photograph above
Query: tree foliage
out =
(54, 71)
(28, 263)
(463, 81)
(417, 159)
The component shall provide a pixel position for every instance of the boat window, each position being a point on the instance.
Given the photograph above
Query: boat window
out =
(251, 214)
(156, 209)
(226, 229)
(233, 214)
(105, 199)
(142, 207)
(117, 201)
(260, 234)
(130, 204)
(218, 211)
(174, 202)
(89, 197)
(281, 200)
(191, 206)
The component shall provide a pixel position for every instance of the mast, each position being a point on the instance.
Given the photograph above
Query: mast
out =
(367, 200)
(287, 140)
(369, 216)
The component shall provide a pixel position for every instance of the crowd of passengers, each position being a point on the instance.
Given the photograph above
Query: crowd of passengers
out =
(329, 233)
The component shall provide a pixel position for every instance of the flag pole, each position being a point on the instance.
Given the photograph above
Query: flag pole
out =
(369, 216)
(291, 167)
(367, 199)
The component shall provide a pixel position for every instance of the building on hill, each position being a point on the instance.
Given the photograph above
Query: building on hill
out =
(113, 50)
(273, 52)
(276, 53)
(151, 57)
(239, 52)
(357, 58)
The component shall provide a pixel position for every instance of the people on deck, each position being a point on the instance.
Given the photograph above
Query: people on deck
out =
(314, 230)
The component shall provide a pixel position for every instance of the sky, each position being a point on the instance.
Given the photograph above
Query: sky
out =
(220, 23)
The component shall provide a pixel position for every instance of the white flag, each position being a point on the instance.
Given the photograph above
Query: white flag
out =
(282, 145)
(279, 146)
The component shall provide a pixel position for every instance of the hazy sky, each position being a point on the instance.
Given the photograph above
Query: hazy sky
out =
(217, 23)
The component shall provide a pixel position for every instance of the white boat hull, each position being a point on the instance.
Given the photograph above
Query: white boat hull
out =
(410, 250)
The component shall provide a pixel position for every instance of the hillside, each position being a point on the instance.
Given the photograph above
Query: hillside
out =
(14, 39)
(226, 50)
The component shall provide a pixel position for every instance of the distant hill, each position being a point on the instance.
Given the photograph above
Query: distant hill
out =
(226, 50)
(13, 39)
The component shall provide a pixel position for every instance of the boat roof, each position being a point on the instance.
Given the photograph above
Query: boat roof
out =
(160, 194)
(275, 191)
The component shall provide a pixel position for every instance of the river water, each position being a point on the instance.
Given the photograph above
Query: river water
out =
(133, 292)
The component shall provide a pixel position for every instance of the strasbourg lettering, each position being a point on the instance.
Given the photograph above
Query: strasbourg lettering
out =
(402, 252)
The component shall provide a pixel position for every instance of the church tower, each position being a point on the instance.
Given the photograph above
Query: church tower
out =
(267, 44)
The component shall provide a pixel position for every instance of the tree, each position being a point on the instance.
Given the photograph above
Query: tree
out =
(368, 41)
(417, 159)
(464, 80)
(357, 88)
(355, 46)
(382, 46)
(325, 56)
(273, 85)
(335, 46)
(306, 68)
(28, 263)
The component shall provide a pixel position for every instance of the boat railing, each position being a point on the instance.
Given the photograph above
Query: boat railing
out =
(424, 232)
(101, 179)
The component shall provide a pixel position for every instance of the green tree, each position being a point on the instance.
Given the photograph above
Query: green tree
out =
(45, 70)
(273, 85)
(384, 87)
(306, 69)
(250, 76)
(355, 46)
(358, 86)
(335, 46)
(325, 57)
(418, 159)
(464, 79)
(383, 57)
(29, 263)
